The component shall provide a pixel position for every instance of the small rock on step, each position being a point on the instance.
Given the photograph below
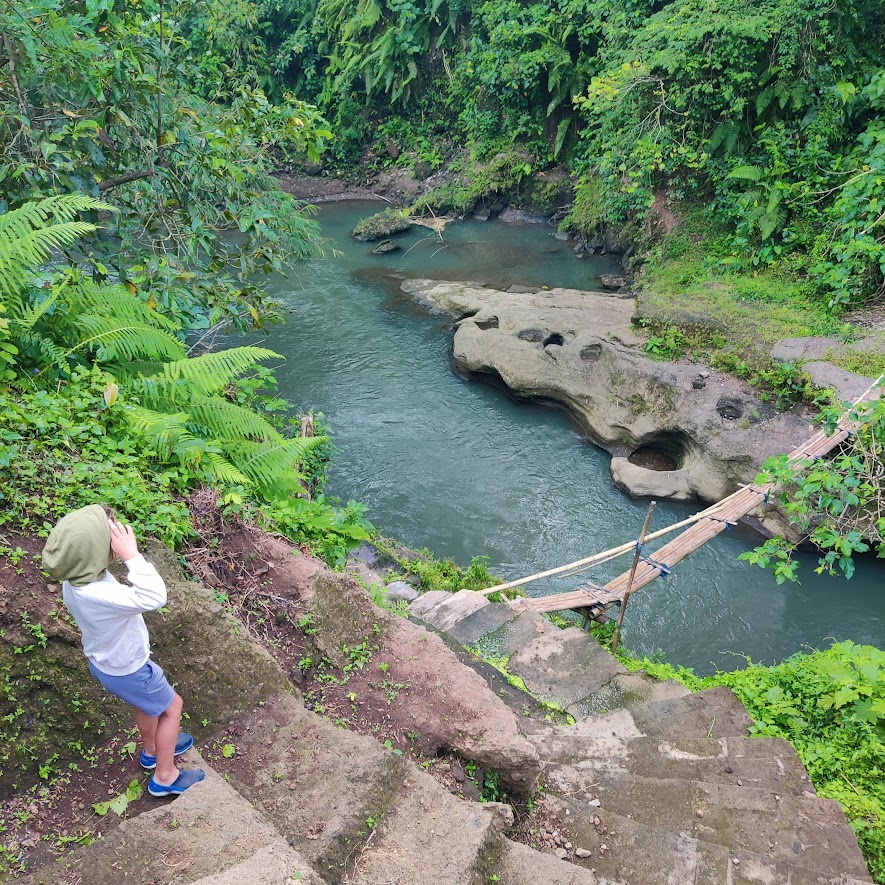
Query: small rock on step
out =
(401, 590)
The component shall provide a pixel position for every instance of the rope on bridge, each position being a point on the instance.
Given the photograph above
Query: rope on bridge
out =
(702, 527)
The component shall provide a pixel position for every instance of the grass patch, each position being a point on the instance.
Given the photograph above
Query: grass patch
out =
(695, 301)
(869, 362)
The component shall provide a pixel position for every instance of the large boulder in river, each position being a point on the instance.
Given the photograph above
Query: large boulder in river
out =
(381, 225)
(580, 350)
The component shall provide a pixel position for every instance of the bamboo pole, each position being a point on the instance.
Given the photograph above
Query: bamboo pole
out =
(614, 552)
(616, 638)
(732, 507)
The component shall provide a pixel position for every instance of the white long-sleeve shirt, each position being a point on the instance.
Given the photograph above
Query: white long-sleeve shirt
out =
(109, 615)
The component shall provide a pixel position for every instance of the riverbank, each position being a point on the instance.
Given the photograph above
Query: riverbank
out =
(689, 304)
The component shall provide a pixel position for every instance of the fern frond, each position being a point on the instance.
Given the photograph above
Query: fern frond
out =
(163, 429)
(29, 234)
(273, 465)
(210, 373)
(48, 349)
(20, 257)
(750, 197)
(746, 173)
(32, 313)
(218, 418)
(114, 342)
(119, 303)
(724, 136)
(223, 470)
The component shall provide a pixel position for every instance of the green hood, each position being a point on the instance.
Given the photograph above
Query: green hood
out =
(78, 549)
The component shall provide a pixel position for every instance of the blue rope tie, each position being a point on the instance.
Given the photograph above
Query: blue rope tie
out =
(765, 499)
(728, 522)
(662, 567)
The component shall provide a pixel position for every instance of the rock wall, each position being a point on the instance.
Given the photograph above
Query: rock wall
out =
(578, 350)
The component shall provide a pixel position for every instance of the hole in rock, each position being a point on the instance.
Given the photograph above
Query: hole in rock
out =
(533, 335)
(652, 458)
(730, 408)
(662, 451)
(487, 323)
(591, 352)
(555, 338)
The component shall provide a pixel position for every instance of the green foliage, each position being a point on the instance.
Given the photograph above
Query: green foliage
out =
(60, 450)
(119, 803)
(325, 528)
(831, 706)
(101, 100)
(668, 345)
(437, 574)
(837, 503)
(381, 224)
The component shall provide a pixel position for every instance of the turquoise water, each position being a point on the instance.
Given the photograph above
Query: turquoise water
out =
(460, 468)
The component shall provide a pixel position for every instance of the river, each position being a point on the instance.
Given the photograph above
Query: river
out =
(461, 469)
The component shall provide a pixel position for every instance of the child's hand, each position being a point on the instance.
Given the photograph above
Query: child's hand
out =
(123, 543)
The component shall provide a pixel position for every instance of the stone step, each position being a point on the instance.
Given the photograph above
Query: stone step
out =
(771, 763)
(805, 830)
(521, 865)
(521, 631)
(429, 835)
(317, 783)
(629, 852)
(714, 712)
(276, 864)
(564, 667)
(199, 836)
(466, 616)
(628, 690)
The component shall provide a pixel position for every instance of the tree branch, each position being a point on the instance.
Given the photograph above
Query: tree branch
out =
(108, 183)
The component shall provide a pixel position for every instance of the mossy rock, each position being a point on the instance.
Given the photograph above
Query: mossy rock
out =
(381, 225)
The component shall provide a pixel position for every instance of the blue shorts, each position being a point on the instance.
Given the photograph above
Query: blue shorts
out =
(146, 689)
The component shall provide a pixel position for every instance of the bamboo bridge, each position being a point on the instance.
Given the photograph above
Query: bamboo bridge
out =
(593, 601)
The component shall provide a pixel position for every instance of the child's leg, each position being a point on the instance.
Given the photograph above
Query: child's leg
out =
(165, 736)
(147, 727)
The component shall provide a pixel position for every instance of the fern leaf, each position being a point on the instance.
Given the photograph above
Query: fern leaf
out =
(117, 301)
(218, 418)
(746, 173)
(162, 428)
(114, 342)
(48, 349)
(223, 470)
(210, 373)
(29, 234)
(724, 136)
(31, 314)
(273, 465)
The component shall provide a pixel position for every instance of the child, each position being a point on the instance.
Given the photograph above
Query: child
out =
(115, 638)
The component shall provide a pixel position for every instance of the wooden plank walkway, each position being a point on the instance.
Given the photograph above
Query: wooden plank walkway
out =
(594, 601)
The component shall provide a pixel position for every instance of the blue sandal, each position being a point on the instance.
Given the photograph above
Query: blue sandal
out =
(185, 780)
(182, 745)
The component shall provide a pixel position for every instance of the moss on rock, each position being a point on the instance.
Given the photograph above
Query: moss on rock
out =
(381, 225)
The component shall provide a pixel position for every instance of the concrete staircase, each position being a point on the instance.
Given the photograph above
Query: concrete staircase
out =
(658, 786)
(654, 786)
(306, 802)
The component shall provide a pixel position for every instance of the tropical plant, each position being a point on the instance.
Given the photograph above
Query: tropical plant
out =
(101, 100)
(838, 504)
(764, 203)
(177, 402)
